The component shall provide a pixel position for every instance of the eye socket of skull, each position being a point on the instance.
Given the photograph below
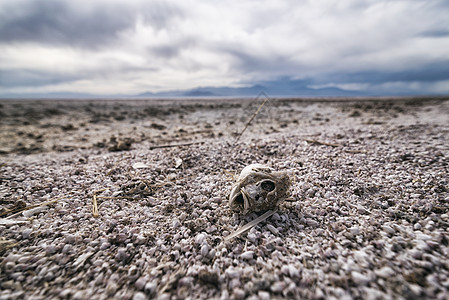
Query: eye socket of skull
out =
(268, 185)
(239, 200)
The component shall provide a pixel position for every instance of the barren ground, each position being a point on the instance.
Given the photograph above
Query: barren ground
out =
(367, 217)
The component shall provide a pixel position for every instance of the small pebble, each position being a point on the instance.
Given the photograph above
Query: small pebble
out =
(359, 278)
(50, 249)
(69, 239)
(252, 237)
(273, 229)
(140, 240)
(140, 283)
(150, 288)
(66, 293)
(247, 255)
(139, 296)
(66, 249)
(354, 230)
(415, 253)
(385, 272)
(79, 295)
(312, 223)
(27, 233)
(12, 258)
(105, 246)
(121, 254)
(233, 273)
(388, 229)
(204, 250)
(278, 287)
(199, 239)
(9, 266)
(263, 295)
(423, 237)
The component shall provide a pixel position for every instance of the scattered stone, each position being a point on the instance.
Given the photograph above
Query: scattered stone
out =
(385, 272)
(366, 215)
(208, 277)
(140, 296)
(359, 278)
(27, 233)
(247, 255)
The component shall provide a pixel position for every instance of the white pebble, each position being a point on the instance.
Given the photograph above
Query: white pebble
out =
(199, 239)
(140, 283)
(29, 213)
(385, 272)
(105, 246)
(312, 223)
(204, 249)
(140, 296)
(252, 237)
(11, 258)
(423, 237)
(79, 295)
(175, 223)
(27, 233)
(359, 278)
(239, 293)
(273, 229)
(277, 287)
(69, 239)
(388, 229)
(66, 248)
(233, 273)
(150, 288)
(415, 253)
(290, 270)
(247, 255)
(354, 230)
(263, 295)
(140, 239)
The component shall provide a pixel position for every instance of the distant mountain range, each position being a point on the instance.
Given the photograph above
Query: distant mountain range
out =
(294, 88)
(283, 87)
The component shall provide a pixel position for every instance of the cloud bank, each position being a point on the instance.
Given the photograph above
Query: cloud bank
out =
(128, 47)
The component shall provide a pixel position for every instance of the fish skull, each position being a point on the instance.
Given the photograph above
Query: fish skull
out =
(258, 188)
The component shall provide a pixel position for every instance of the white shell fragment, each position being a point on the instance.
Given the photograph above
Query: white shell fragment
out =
(140, 165)
(258, 188)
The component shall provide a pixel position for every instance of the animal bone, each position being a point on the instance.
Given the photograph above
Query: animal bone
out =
(258, 188)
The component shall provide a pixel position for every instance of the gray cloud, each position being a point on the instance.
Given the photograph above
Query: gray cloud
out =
(436, 33)
(33, 78)
(426, 73)
(47, 45)
(91, 24)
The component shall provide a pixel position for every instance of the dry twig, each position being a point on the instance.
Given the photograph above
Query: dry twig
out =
(356, 151)
(262, 93)
(315, 142)
(249, 225)
(95, 212)
(20, 210)
(175, 145)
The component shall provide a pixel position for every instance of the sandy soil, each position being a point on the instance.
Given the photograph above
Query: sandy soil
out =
(367, 217)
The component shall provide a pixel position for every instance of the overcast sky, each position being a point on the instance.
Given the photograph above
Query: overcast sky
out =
(133, 46)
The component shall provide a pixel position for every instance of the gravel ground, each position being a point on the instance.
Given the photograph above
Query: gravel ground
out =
(367, 216)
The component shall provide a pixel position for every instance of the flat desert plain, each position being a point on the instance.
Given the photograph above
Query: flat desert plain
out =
(128, 199)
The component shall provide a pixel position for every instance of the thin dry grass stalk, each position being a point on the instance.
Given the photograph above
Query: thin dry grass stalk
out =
(254, 115)
(20, 210)
(95, 211)
(250, 225)
(315, 142)
(175, 145)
